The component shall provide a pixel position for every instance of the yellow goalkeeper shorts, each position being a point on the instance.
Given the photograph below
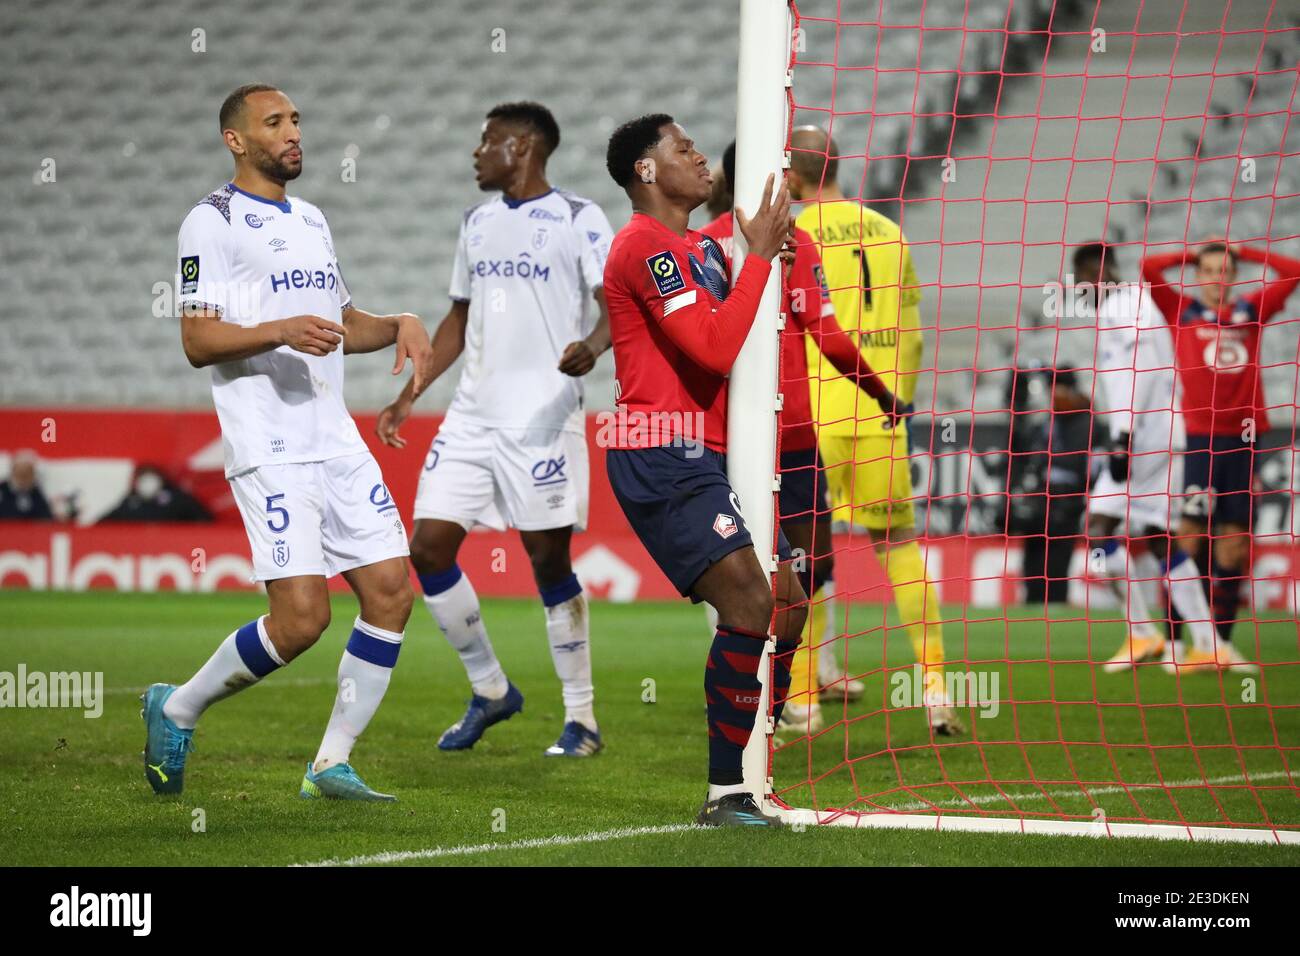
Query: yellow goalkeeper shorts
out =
(869, 480)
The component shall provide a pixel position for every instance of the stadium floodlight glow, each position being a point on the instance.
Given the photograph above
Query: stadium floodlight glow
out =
(1166, 749)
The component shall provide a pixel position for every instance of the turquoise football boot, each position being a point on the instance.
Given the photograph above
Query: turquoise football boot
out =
(339, 782)
(165, 745)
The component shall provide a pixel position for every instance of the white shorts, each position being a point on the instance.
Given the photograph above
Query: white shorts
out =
(318, 517)
(1151, 496)
(532, 479)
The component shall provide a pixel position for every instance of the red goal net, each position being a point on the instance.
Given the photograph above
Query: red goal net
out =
(1062, 594)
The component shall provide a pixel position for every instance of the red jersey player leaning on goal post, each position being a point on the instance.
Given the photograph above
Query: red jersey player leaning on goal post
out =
(803, 510)
(1216, 351)
(677, 325)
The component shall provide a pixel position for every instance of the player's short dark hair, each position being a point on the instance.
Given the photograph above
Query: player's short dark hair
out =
(535, 116)
(1211, 248)
(1093, 253)
(234, 103)
(630, 142)
(729, 166)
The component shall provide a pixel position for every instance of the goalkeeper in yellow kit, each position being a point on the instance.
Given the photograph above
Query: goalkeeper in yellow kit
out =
(876, 296)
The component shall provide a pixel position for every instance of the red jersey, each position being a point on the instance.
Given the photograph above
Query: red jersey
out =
(809, 311)
(677, 326)
(1217, 350)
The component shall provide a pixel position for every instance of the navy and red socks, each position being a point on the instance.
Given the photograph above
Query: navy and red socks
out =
(731, 692)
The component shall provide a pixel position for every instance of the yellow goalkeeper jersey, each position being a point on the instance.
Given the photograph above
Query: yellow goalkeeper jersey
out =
(876, 295)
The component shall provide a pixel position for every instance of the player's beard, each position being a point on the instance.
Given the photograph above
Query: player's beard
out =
(276, 169)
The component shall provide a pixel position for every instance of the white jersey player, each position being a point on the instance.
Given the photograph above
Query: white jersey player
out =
(264, 305)
(512, 450)
(1140, 427)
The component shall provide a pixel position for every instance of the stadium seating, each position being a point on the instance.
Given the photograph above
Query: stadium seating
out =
(401, 89)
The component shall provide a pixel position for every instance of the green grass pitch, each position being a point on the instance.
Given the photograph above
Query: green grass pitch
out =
(72, 791)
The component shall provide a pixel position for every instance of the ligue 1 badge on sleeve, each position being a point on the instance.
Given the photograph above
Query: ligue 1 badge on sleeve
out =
(189, 275)
(667, 276)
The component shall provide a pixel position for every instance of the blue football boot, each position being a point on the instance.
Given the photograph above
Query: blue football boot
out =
(577, 740)
(479, 716)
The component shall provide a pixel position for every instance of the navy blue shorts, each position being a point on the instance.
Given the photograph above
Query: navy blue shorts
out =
(803, 487)
(680, 504)
(1222, 467)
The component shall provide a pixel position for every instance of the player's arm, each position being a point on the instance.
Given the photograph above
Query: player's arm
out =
(1153, 274)
(1273, 296)
(594, 238)
(209, 341)
(911, 342)
(446, 345)
(205, 278)
(710, 337)
(579, 357)
(367, 332)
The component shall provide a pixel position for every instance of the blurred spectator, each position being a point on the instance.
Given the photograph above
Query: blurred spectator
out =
(153, 498)
(20, 495)
(1049, 484)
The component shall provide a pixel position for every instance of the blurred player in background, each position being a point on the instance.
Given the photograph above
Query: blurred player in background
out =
(1216, 346)
(512, 450)
(263, 302)
(876, 297)
(1136, 401)
(678, 324)
(803, 510)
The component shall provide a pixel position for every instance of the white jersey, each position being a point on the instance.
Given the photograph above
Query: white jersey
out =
(1136, 386)
(255, 261)
(527, 270)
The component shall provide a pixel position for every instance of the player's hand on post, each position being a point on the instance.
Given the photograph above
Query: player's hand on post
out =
(770, 229)
(578, 359)
(311, 334)
(1119, 462)
(413, 342)
(390, 420)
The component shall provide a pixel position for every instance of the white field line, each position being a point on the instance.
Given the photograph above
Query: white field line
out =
(603, 836)
(1080, 791)
(600, 836)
